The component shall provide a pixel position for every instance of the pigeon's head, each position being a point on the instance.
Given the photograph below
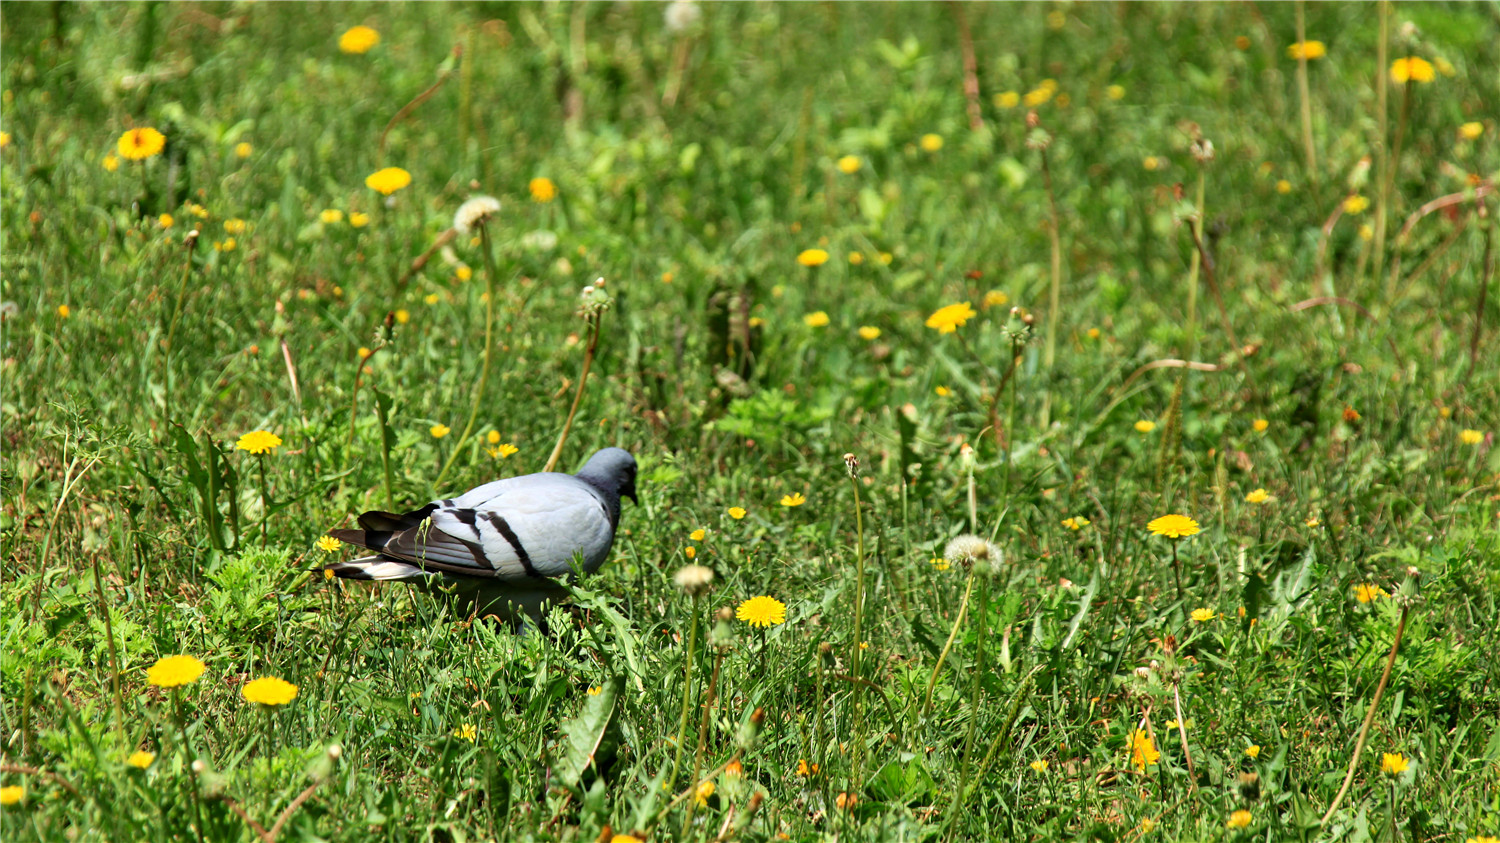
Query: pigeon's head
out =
(612, 469)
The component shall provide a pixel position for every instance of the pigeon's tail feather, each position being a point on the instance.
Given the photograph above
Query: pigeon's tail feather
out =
(372, 539)
(378, 568)
(392, 522)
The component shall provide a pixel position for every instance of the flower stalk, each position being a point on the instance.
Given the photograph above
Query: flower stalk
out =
(489, 351)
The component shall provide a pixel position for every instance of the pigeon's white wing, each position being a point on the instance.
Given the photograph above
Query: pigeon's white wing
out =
(511, 531)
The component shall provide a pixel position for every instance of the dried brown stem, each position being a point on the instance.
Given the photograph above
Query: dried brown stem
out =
(1364, 730)
(971, 66)
(1322, 300)
(407, 109)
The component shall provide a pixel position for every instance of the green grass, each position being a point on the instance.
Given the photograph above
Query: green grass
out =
(691, 170)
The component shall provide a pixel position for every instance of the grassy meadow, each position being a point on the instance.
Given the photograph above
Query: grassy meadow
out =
(918, 318)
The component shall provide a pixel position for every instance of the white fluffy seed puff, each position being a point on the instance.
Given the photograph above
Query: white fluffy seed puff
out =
(475, 212)
(973, 550)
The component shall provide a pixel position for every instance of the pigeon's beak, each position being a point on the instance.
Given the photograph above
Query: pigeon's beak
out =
(629, 492)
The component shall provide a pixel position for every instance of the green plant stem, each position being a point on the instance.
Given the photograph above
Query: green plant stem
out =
(489, 353)
(1054, 295)
(192, 777)
(1364, 729)
(963, 609)
(976, 694)
(708, 707)
(1387, 189)
(855, 649)
(1194, 262)
(265, 498)
(1304, 95)
(114, 655)
(385, 453)
(687, 691)
(1382, 119)
(583, 379)
(1177, 572)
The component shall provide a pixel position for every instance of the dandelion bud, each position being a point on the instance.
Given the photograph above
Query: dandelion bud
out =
(1032, 120)
(1202, 150)
(694, 580)
(751, 729)
(473, 184)
(334, 752)
(199, 766)
(191, 239)
(758, 715)
(851, 464)
(726, 613)
(966, 456)
(1143, 673)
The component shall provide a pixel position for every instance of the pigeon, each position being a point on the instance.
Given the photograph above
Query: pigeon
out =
(500, 547)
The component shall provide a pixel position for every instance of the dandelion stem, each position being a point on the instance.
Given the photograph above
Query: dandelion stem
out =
(1306, 100)
(114, 655)
(708, 707)
(859, 618)
(963, 609)
(687, 690)
(1177, 571)
(976, 691)
(1382, 149)
(265, 498)
(192, 779)
(1054, 296)
(1182, 737)
(583, 379)
(1364, 730)
(1387, 187)
(489, 352)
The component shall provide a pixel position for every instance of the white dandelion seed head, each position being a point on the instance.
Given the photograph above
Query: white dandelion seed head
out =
(973, 550)
(682, 15)
(474, 212)
(694, 579)
(335, 751)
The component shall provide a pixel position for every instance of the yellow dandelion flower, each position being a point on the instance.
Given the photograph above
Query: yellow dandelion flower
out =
(542, 189)
(812, 257)
(141, 759)
(1075, 523)
(794, 499)
(402, 317)
(868, 332)
(363, 353)
(243, 149)
(327, 573)
(165, 220)
(762, 611)
(1007, 99)
(172, 671)
(1308, 50)
(697, 535)
(438, 431)
(1038, 96)
(1094, 333)
(736, 512)
(12, 794)
(269, 690)
(4, 139)
(140, 144)
(1411, 69)
(328, 544)
(358, 40)
(951, 317)
(258, 442)
(1283, 186)
(110, 163)
(1145, 426)
(493, 437)
(625, 838)
(1143, 752)
(1366, 592)
(464, 272)
(1312, 522)
(931, 142)
(1201, 616)
(466, 732)
(886, 258)
(995, 298)
(1040, 765)
(1239, 819)
(1151, 162)
(702, 792)
(849, 164)
(806, 770)
(235, 225)
(1115, 92)
(1260, 425)
(1471, 131)
(501, 452)
(942, 391)
(358, 220)
(227, 245)
(1355, 204)
(816, 319)
(1471, 437)
(331, 215)
(1253, 751)
(1148, 825)
(388, 180)
(1393, 763)
(64, 311)
(856, 258)
(1258, 496)
(1173, 526)
(595, 690)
